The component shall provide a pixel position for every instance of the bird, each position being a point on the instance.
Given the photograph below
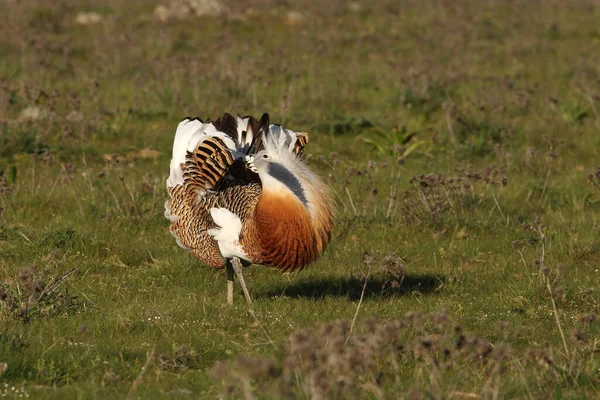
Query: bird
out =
(241, 193)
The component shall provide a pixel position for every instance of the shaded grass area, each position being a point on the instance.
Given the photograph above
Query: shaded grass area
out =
(492, 218)
(352, 287)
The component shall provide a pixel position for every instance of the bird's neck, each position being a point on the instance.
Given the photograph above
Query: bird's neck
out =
(280, 181)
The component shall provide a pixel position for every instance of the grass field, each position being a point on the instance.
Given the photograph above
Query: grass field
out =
(461, 140)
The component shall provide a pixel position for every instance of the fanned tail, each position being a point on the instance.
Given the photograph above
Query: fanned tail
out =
(204, 151)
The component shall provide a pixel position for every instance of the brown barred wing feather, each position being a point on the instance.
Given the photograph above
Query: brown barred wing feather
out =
(207, 164)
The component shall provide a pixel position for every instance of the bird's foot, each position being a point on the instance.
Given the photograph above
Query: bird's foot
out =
(250, 163)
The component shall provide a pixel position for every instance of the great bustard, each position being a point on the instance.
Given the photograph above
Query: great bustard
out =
(240, 190)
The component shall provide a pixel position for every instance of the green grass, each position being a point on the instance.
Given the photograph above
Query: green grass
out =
(492, 217)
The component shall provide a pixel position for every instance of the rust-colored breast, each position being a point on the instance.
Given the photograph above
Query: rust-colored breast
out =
(286, 235)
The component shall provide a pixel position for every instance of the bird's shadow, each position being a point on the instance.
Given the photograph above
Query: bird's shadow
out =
(352, 287)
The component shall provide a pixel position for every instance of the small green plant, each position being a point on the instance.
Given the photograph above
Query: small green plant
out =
(400, 140)
(573, 112)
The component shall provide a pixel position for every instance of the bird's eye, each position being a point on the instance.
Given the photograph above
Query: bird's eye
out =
(265, 156)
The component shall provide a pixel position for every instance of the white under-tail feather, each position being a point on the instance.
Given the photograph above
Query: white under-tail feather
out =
(228, 232)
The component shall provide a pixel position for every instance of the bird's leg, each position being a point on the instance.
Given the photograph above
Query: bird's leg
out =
(229, 282)
(237, 267)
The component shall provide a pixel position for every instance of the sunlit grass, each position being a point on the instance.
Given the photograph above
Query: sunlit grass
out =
(466, 266)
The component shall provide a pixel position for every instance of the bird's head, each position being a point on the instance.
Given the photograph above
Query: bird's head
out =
(262, 161)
